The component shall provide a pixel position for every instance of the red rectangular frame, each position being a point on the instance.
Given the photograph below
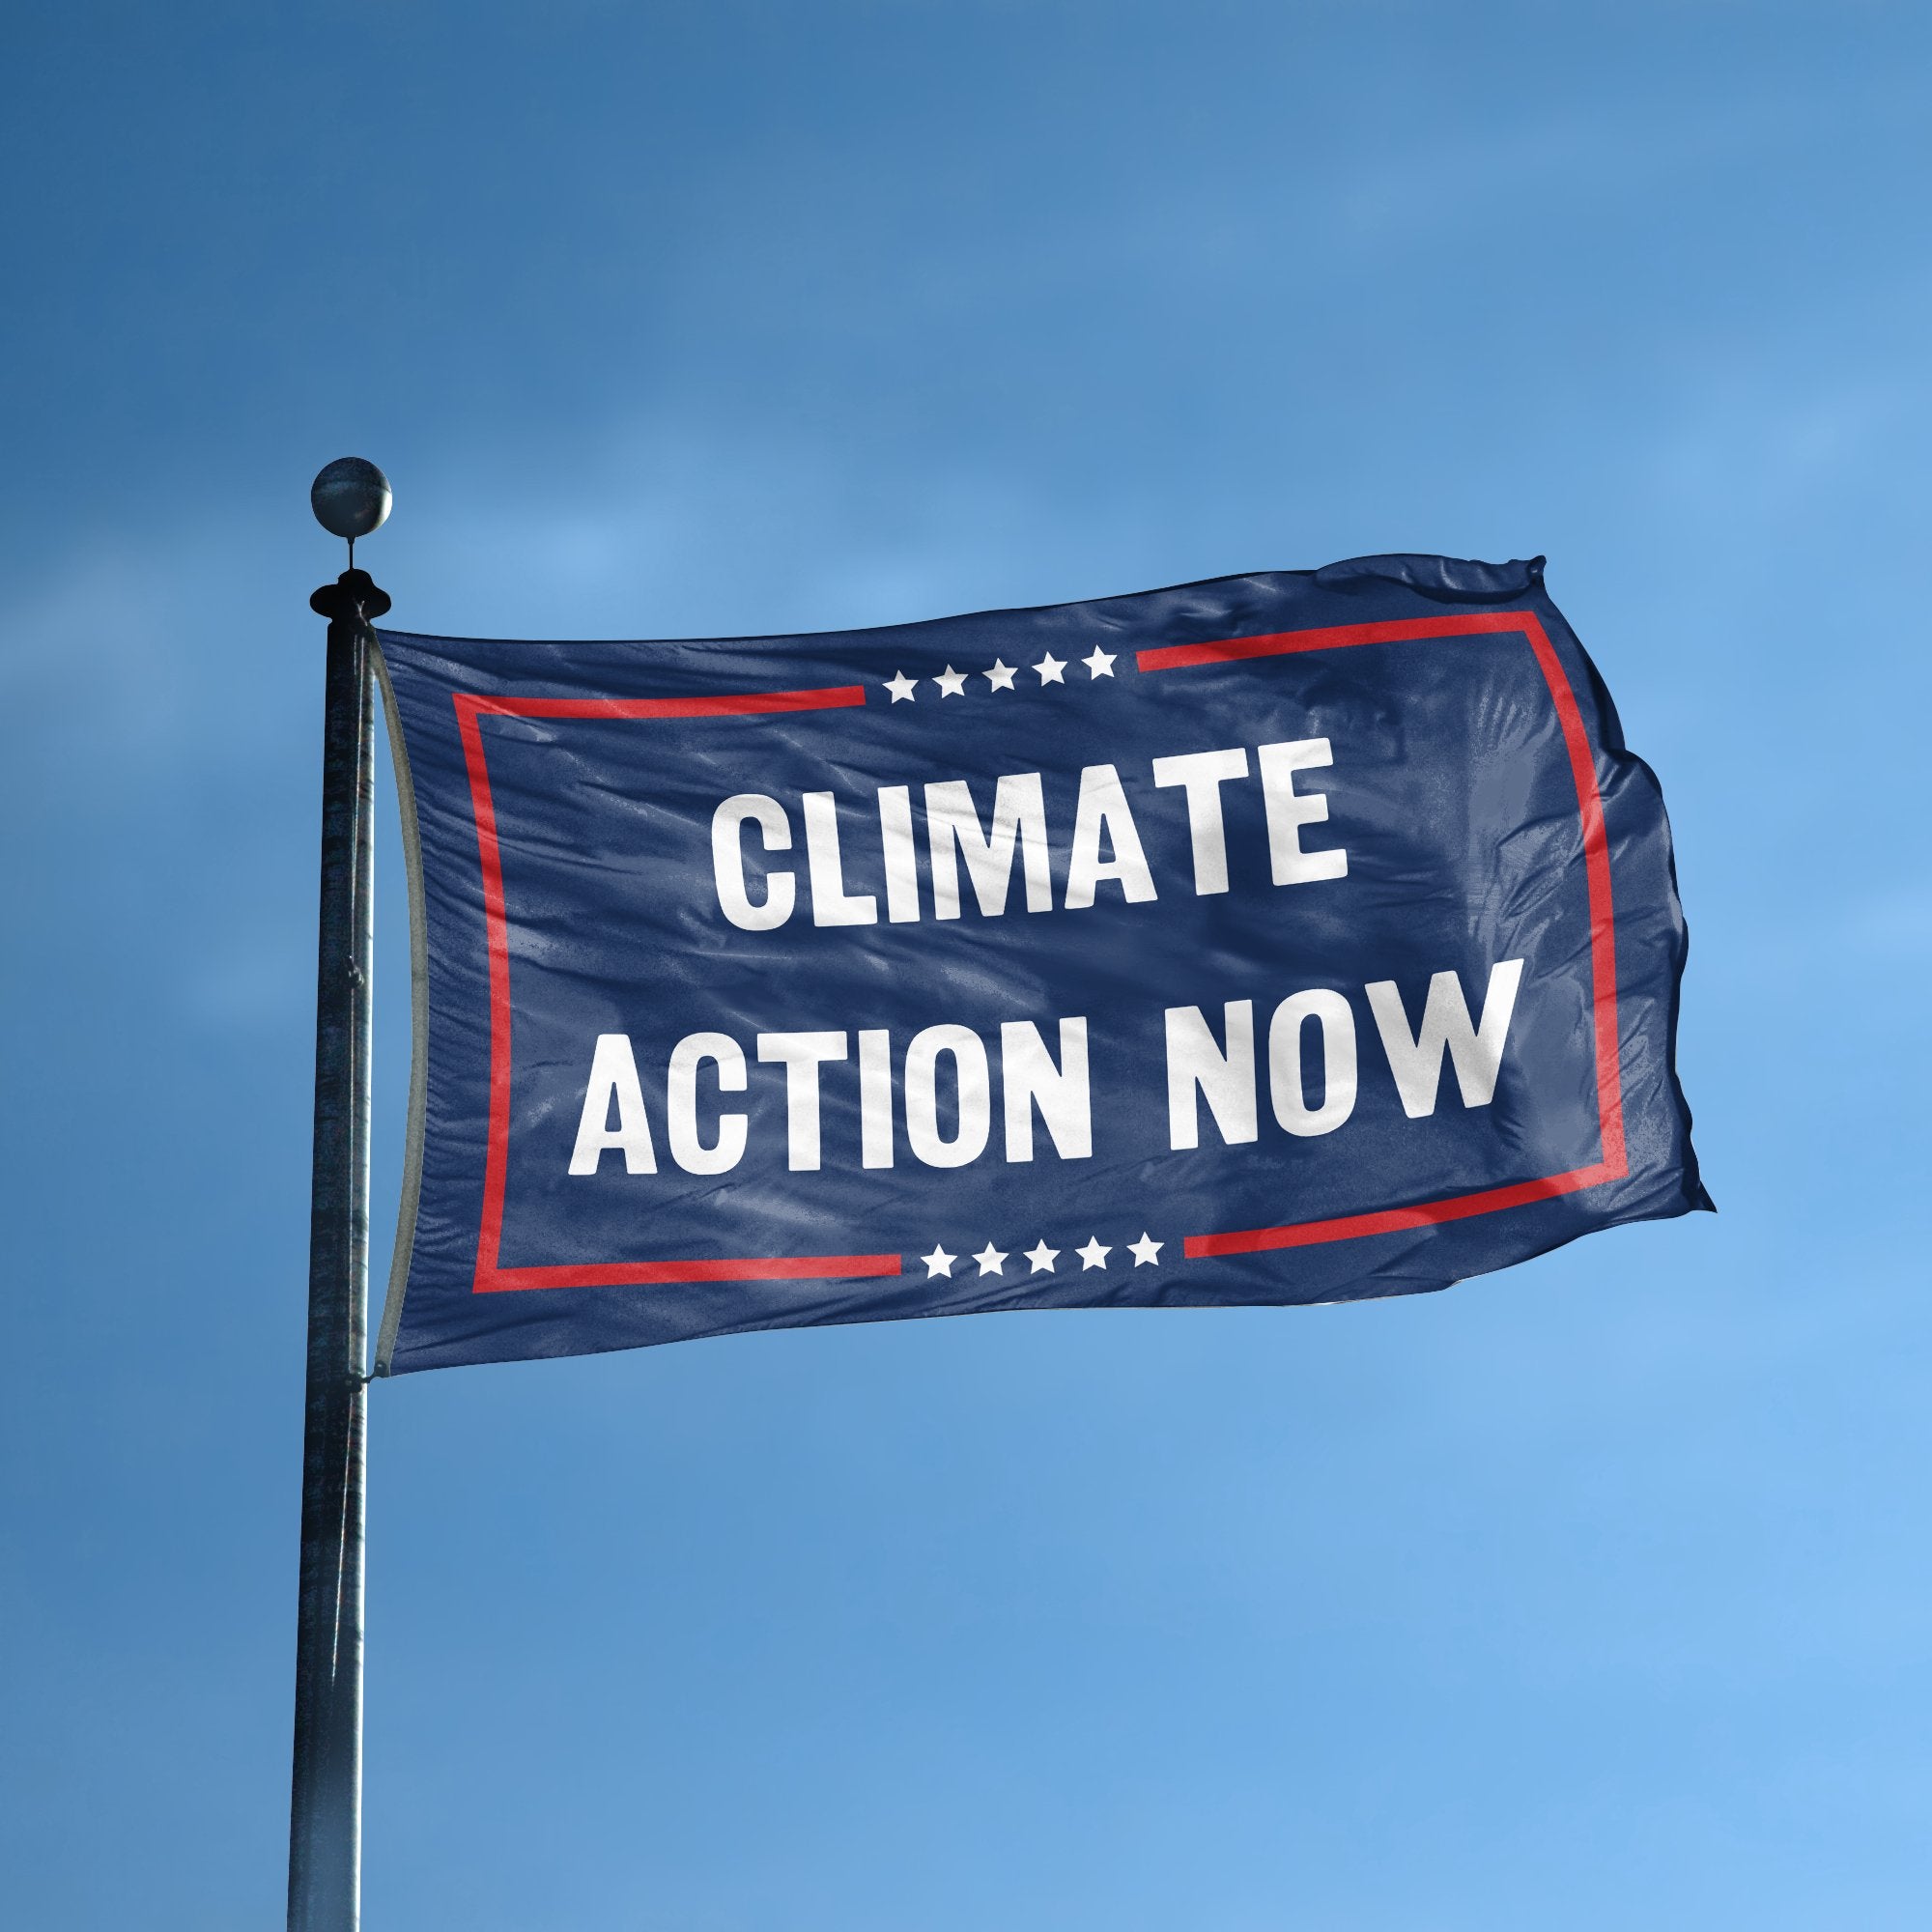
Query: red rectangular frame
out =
(471, 706)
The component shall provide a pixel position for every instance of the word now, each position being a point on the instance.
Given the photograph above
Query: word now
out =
(1105, 845)
(952, 1062)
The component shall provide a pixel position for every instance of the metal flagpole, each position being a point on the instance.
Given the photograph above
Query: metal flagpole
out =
(351, 497)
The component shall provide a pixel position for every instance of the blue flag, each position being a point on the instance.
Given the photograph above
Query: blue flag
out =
(1298, 937)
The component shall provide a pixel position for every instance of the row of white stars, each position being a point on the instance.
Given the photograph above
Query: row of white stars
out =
(1145, 1253)
(952, 683)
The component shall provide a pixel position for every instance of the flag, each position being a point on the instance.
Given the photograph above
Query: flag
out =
(1298, 937)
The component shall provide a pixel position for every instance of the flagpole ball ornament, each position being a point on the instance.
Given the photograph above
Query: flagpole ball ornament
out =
(351, 497)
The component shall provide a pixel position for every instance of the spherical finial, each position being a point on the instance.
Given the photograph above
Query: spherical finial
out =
(349, 496)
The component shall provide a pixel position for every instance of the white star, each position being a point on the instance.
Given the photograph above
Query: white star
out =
(1093, 1255)
(938, 1262)
(1100, 664)
(1145, 1250)
(952, 683)
(1000, 676)
(1042, 1258)
(1049, 668)
(901, 686)
(991, 1260)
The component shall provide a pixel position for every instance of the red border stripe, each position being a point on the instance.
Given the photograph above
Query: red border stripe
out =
(1393, 1220)
(731, 704)
(639, 1275)
(1336, 637)
(497, 930)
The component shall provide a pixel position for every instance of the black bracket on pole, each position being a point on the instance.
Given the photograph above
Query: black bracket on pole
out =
(326, 1812)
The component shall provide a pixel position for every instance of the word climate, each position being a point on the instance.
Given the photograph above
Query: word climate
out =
(1104, 843)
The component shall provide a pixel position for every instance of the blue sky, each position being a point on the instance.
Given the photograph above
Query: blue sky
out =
(1591, 1595)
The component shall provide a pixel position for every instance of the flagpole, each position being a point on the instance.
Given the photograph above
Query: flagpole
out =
(350, 499)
